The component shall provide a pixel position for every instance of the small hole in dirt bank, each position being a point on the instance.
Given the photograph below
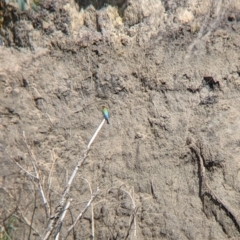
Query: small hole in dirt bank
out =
(98, 4)
(231, 18)
(211, 83)
(24, 83)
(121, 5)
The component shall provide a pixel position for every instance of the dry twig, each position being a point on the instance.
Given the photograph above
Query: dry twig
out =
(53, 219)
(33, 161)
(61, 219)
(83, 211)
(23, 218)
(131, 223)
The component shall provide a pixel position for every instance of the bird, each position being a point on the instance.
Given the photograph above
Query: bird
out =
(105, 114)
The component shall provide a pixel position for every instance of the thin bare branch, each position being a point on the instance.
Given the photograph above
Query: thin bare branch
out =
(61, 219)
(131, 223)
(33, 213)
(93, 224)
(89, 185)
(33, 160)
(92, 212)
(22, 168)
(53, 219)
(23, 218)
(83, 211)
(95, 134)
(51, 170)
(133, 203)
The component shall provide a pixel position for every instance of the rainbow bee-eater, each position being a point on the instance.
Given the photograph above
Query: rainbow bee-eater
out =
(105, 114)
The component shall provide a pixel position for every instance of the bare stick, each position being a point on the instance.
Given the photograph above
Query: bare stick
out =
(135, 222)
(119, 188)
(83, 211)
(22, 168)
(134, 207)
(50, 173)
(93, 230)
(53, 220)
(61, 219)
(33, 160)
(19, 210)
(95, 134)
(131, 223)
(33, 213)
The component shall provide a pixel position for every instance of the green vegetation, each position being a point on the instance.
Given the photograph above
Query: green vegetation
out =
(24, 4)
(6, 232)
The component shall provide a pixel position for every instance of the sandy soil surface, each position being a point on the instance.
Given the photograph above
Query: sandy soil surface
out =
(167, 166)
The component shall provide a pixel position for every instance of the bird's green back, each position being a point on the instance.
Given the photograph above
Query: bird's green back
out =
(104, 110)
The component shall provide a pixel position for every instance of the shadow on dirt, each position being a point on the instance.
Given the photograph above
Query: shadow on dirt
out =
(98, 4)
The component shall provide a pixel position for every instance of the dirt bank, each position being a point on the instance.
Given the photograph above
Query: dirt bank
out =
(167, 165)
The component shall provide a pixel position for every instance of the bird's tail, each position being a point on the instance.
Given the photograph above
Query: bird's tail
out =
(107, 121)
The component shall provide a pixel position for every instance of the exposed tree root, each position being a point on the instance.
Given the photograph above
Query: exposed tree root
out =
(205, 189)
